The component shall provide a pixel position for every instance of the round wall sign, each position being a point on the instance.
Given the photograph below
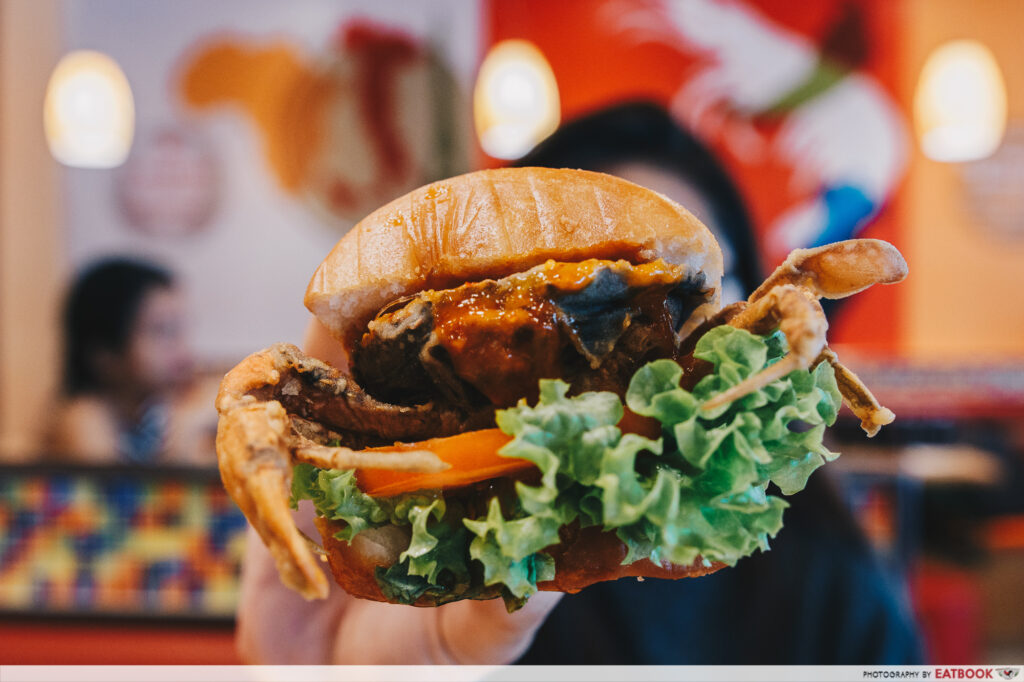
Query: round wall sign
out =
(169, 185)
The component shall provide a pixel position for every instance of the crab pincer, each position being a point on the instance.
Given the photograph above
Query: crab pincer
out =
(788, 301)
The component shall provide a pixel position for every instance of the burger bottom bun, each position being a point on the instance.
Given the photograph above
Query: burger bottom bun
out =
(582, 558)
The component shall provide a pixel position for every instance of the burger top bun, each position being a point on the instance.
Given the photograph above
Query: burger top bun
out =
(492, 223)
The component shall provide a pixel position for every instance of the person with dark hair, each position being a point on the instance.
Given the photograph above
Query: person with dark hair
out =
(125, 356)
(818, 596)
(641, 142)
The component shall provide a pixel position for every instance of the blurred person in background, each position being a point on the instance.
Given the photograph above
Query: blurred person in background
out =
(818, 597)
(127, 371)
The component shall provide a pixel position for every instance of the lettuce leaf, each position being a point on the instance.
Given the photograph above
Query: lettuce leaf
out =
(336, 496)
(437, 558)
(700, 490)
(510, 551)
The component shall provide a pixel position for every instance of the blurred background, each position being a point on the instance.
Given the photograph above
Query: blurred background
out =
(172, 173)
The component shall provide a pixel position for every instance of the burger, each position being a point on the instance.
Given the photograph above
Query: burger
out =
(536, 389)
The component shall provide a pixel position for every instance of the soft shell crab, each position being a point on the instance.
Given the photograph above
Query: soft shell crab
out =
(280, 406)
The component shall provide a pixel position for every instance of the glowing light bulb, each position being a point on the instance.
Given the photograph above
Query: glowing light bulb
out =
(515, 103)
(960, 103)
(89, 114)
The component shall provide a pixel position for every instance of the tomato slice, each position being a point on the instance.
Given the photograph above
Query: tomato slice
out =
(632, 422)
(473, 457)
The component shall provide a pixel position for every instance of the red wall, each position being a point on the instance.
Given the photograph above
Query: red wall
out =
(595, 67)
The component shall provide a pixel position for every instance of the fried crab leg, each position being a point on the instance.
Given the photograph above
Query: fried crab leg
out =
(258, 440)
(788, 301)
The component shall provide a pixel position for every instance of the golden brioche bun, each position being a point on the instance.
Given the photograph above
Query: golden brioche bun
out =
(492, 223)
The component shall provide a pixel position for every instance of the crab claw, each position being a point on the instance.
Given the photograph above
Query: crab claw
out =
(838, 270)
(255, 466)
(857, 396)
(799, 317)
(788, 301)
(258, 441)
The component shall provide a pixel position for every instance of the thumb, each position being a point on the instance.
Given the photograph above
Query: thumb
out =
(484, 633)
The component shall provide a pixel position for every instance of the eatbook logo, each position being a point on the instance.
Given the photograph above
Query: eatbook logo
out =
(1008, 673)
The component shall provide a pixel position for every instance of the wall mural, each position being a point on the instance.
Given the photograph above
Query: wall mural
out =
(760, 88)
(264, 130)
(796, 99)
(348, 130)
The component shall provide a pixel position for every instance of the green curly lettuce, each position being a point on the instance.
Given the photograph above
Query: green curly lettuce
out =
(434, 563)
(700, 490)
